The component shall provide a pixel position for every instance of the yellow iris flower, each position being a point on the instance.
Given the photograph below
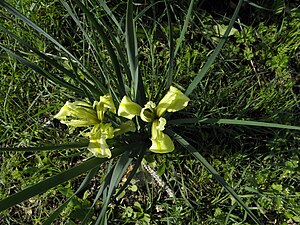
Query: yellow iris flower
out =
(173, 101)
(82, 114)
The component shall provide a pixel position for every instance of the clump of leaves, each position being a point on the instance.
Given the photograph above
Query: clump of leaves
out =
(109, 79)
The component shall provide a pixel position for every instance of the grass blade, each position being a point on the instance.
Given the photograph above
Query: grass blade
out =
(111, 181)
(257, 6)
(110, 14)
(55, 64)
(106, 42)
(184, 28)
(116, 176)
(19, 15)
(214, 55)
(47, 148)
(214, 173)
(171, 46)
(83, 185)
(44, 73)
(93, 47)
(137, 164)
(51, 182)
(233, 122)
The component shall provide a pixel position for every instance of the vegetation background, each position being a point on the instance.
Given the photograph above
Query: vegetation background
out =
(256, 77)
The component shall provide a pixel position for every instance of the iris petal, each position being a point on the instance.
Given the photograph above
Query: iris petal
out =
(77, 114)
(128, 108)
(106, 103)
(173, 101)
(148, 112)
(161, 142)
(98, 136)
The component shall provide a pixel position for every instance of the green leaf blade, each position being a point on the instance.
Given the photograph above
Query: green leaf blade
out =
(214, 173)
(215, 53)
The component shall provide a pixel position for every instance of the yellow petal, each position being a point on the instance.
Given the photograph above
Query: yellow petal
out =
(106, 103)
(128, 108)
(158, 126)
(78, 114)
(173, 101)
(98, 136)
(64, 112)
(99, 147)
(164, 145)
(161, 142)
(148, 112)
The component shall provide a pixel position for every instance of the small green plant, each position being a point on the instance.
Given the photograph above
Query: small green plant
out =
(137, 126)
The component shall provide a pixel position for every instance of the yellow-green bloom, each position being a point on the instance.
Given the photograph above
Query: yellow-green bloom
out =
(81, 114)
(173, 101)
(161, 142)
(98, 136)
(77, 114)
(128, 108)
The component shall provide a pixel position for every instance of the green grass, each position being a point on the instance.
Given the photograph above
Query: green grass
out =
(255, 77)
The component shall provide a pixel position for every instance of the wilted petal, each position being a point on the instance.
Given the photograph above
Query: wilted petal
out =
(128, 108)
(98, 136)
(148, 112)
(161, 142)
(173, 101)
(78, 114)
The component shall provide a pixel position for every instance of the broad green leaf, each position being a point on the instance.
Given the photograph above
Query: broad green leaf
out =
(214, 173)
